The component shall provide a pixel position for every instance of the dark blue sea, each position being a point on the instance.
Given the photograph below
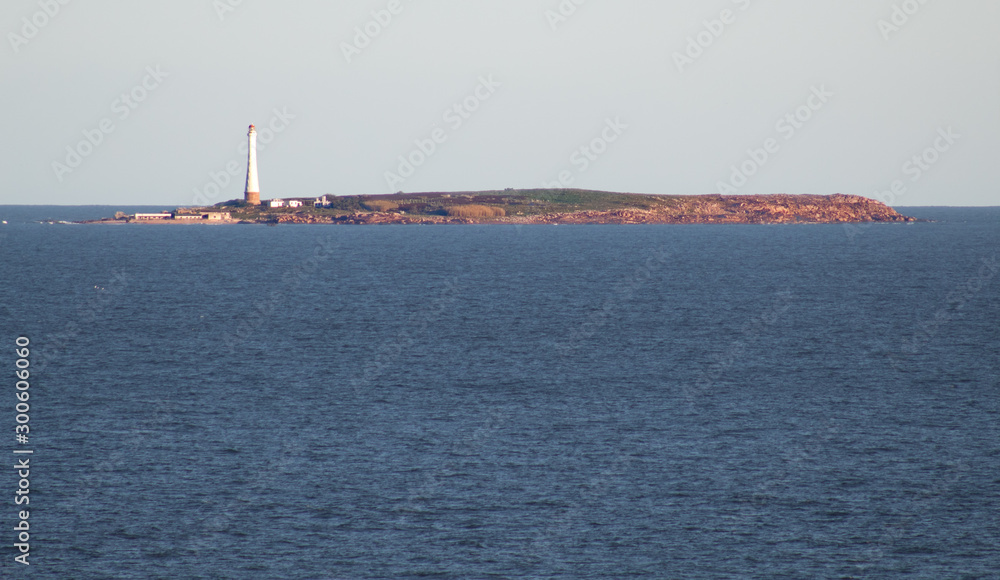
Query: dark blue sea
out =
(340, 402)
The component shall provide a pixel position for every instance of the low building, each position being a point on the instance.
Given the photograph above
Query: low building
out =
(210, 216)
(294, 203)
(276, 203)
(321, 202)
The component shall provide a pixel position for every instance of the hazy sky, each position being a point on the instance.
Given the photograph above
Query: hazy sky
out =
(116, 102)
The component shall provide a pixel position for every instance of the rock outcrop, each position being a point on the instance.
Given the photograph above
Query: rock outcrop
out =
(738, 209)
(569, 206)
(705, 209)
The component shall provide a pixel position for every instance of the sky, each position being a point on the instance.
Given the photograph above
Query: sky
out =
(110, 102)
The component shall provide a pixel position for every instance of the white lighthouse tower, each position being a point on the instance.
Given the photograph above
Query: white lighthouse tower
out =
(252, 192)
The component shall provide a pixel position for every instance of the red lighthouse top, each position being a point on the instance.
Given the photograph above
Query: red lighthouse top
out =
(251, 126)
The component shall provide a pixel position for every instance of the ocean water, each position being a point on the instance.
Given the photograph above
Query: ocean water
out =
(797, 401)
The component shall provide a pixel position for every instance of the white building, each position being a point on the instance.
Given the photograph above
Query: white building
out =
(321, 202)
(294, 203)
(276, 203)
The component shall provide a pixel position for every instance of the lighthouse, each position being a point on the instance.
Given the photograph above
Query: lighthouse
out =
(252, 192)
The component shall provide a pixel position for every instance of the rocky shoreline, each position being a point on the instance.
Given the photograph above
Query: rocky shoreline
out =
(704, 209)
(764, 209)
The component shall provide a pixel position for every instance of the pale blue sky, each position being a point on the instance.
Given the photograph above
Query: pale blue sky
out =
(608, 78)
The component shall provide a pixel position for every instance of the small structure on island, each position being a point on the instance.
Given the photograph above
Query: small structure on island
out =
(251, 194)
(183, 215)
(294, 203)
(321, 202)
(276, 203)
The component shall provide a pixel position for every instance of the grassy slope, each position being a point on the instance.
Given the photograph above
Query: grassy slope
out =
(524, 202)
(563, 203)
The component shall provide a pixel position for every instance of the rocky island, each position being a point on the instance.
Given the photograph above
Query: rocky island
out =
(537, 206)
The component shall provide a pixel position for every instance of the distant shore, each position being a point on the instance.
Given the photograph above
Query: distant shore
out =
(565, 206)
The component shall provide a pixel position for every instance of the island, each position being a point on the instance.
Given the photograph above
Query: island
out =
(535, 206)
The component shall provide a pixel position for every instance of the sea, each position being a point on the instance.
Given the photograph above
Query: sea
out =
(500, 401)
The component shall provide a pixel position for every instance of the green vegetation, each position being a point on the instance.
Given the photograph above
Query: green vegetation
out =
(520, 202)
(558, 205)
(527, 203)
(382, 205)
(478, 204)
(476, 211)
